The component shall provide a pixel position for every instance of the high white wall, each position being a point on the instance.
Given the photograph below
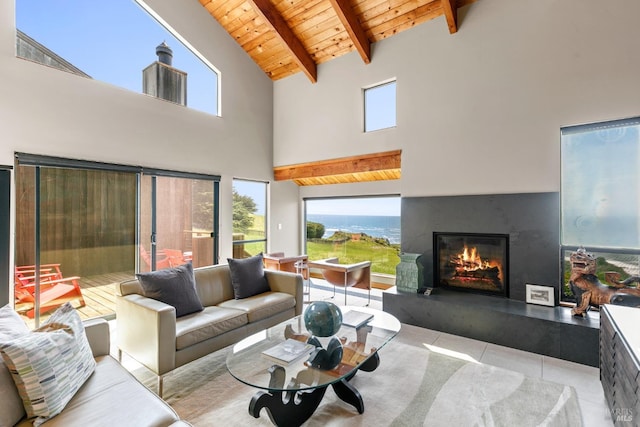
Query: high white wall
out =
(50, 112)
(480, 111)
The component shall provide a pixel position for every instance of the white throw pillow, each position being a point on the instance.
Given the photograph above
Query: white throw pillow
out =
(50, 363)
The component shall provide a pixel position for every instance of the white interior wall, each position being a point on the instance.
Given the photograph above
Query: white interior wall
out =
(285, 221)
(50, 112)
(479, 111)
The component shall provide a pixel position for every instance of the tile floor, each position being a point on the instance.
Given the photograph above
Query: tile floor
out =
(585, 379)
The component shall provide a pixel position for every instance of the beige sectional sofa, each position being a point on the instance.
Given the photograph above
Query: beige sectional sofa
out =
(111, 395)
(150, 332)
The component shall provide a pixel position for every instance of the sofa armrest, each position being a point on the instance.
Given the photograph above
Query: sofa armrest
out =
(290, 283)
(147, 331)
(98, 335)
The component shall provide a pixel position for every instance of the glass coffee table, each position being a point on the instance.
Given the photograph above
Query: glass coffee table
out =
(291, 392)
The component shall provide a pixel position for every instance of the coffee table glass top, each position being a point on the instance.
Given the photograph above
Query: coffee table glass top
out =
(248, 365)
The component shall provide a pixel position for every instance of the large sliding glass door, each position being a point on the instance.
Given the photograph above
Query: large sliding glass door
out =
(82, 226)
(75, 235)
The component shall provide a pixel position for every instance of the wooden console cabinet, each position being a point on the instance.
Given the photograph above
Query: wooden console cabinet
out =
(620, 362)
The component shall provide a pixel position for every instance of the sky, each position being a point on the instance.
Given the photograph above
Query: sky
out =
(113, 41)
(371, 206)
(255, 189)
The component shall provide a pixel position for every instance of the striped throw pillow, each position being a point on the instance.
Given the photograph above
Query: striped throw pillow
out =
(50, 363)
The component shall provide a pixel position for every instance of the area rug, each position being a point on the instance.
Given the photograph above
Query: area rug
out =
(413, 386)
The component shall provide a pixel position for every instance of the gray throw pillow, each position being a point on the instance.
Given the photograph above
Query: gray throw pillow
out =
(247, 276)
(174, 286)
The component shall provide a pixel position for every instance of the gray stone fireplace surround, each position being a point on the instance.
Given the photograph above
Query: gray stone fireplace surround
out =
(532, 221)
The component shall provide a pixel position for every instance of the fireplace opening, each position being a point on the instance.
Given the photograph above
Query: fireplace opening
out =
(472, 262)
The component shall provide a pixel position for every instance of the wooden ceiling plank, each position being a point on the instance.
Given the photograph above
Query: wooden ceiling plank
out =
(226, 10)
(325, 37)
(388, 9)
(249, 41)
(385, 175)
(353, 27)
(308, 11)
(451, 14)
(318, 21)
(293, 43)
(333, 52)
(402, 23)
(400, 11)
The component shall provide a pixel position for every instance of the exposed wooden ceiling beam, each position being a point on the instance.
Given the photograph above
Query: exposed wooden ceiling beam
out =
(450, 10)
(265, 9)
(354, 29)
(345, 165)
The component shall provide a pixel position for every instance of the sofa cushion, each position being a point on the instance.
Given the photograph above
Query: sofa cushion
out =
(174, 286)
(112, 396)
(11, 408)
(262, 306)
(50, 363)
(247, 276)
(209, 323)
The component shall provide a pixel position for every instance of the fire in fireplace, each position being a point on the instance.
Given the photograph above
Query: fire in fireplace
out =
(472, 262)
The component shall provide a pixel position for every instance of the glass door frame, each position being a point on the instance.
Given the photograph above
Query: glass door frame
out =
(5, 231)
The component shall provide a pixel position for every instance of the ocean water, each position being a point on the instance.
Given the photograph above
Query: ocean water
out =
(376, 226)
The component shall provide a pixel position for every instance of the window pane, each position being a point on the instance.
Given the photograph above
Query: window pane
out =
(380, 107)
(354, 230)
(183, 215)
(624, 264)
(600, 185)
(249, 218)
(111, 41)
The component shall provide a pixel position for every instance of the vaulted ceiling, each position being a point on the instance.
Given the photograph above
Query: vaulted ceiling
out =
(285, 37)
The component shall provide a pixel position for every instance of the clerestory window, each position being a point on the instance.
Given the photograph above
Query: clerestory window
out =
(141, 53)
(380, 106)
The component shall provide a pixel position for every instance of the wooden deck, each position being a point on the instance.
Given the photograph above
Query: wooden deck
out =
(99, 295)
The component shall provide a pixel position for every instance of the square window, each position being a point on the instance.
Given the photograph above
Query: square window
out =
(380, 107)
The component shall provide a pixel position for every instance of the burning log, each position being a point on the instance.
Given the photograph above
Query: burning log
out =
(469, 265)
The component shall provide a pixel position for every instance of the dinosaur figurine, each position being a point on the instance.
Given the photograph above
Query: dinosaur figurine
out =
(588, 289)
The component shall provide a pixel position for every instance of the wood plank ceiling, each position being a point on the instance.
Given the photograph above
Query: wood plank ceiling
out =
(285, 37)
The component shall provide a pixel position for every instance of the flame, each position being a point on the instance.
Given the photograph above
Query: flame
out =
(470, 260)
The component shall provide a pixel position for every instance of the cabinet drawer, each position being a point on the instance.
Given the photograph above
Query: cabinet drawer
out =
(607, 330)
(607, 355)
(607, 373)
(625, 363)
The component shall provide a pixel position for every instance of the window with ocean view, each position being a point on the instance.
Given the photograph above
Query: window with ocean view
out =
(355, 229)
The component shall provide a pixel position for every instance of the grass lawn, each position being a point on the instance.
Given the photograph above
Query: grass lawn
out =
(384, 258)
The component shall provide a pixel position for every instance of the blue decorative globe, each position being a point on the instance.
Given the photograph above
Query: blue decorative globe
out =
(322, 319)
